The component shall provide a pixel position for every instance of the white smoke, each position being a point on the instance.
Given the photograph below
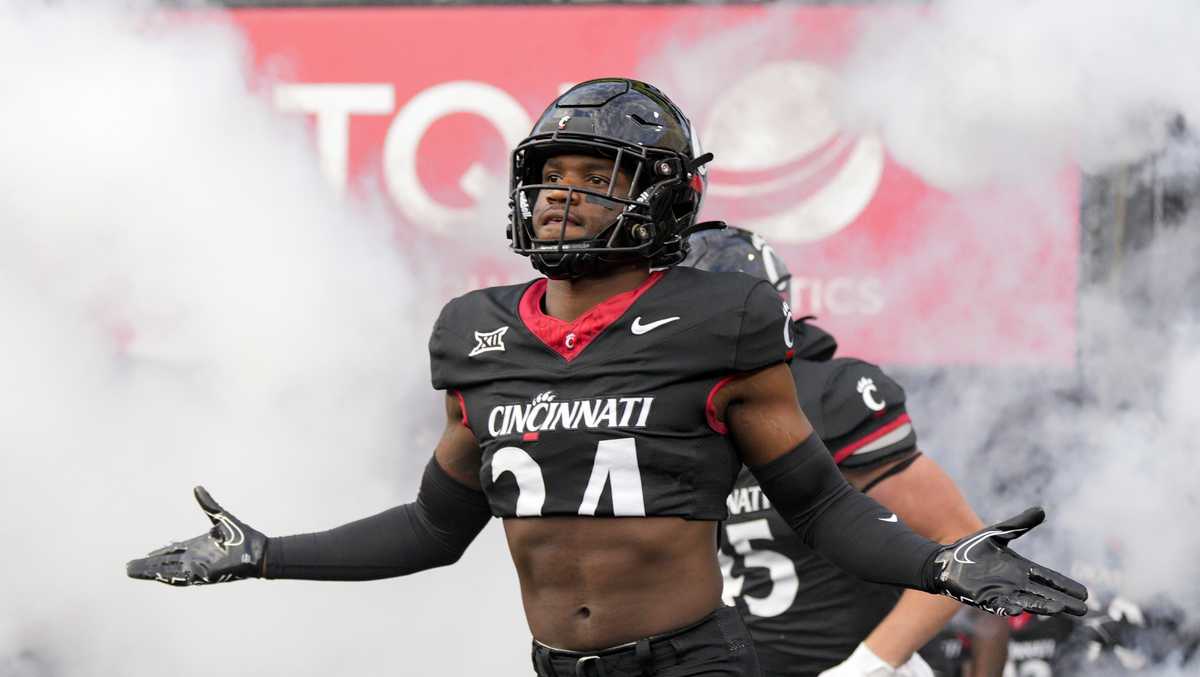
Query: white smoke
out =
(966, 92)
(996, 99)
(971, 94)
(1109, 449)
(185, 301)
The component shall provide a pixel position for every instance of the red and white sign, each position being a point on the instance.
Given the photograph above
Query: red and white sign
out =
(425, 104)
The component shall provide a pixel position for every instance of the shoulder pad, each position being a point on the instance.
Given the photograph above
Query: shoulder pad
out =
(766, 335)
(812, 342)
(739, 320)
(465, 328)
(863, 412)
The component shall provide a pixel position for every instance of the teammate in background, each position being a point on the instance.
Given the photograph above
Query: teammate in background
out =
(1118, 635)
(806, 615)
(972, 643)
(604, 414)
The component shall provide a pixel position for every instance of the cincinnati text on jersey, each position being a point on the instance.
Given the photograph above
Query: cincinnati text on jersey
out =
(747, 499)
(545, 414)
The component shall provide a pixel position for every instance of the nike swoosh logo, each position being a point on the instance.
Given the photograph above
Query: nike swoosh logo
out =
(638, 328)
(233, 534)
(893, 518)
(962, 553)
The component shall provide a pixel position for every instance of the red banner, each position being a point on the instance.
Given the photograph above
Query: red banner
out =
(425, 103)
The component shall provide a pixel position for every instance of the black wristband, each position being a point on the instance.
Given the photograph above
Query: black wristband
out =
(847, 527)
(433, 531)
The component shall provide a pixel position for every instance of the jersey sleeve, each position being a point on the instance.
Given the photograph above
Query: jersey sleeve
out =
(864, 414)
(446, 348)
(765, 336)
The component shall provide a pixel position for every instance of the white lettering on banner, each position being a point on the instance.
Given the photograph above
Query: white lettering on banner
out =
(855, 164)
(333, 104)
(543, 416)
(870, 296)
(787, 167)
(837, 296)
(414, 119)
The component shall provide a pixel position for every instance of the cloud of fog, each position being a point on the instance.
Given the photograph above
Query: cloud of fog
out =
(995, 99)
(970, 91)
(185, 301)
(972, 94)
(1109, 449)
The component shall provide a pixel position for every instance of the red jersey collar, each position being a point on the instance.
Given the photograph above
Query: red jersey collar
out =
(568, 339)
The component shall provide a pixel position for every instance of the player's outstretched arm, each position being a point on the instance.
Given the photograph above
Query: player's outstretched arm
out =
(853, 531)
(433, 531)
(924, 497)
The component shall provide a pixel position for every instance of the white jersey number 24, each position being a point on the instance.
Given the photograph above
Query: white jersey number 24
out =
(615, 464)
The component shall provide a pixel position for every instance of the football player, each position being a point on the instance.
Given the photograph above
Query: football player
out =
(806, 615)
(603, 412)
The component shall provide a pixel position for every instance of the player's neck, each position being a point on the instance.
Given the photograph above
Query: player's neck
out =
(568, 299)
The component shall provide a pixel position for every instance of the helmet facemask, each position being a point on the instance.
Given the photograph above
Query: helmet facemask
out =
(641, 132)
(642, 220)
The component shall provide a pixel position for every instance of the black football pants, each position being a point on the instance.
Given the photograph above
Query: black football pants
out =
(717, 646)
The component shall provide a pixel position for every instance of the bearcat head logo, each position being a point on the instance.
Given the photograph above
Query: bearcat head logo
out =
(866, 386)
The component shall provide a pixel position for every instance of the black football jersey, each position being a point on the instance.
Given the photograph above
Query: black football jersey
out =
(804, 613)
(608, 415)
(947, 652)
(1039, 643)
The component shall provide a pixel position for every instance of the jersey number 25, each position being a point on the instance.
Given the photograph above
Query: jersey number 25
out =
(781, 569)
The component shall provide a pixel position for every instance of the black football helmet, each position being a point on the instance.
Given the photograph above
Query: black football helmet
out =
(734, 249)
(643, 133)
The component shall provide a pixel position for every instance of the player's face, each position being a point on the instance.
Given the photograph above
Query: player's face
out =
(588, 214)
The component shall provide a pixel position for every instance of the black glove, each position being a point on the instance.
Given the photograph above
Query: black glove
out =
(981, 571)
(230, 551)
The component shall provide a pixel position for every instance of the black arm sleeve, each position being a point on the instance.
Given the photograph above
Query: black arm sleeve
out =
(848, 528)
(431, 532)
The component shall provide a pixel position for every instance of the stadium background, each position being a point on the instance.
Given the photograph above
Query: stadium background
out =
(1042, 319)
